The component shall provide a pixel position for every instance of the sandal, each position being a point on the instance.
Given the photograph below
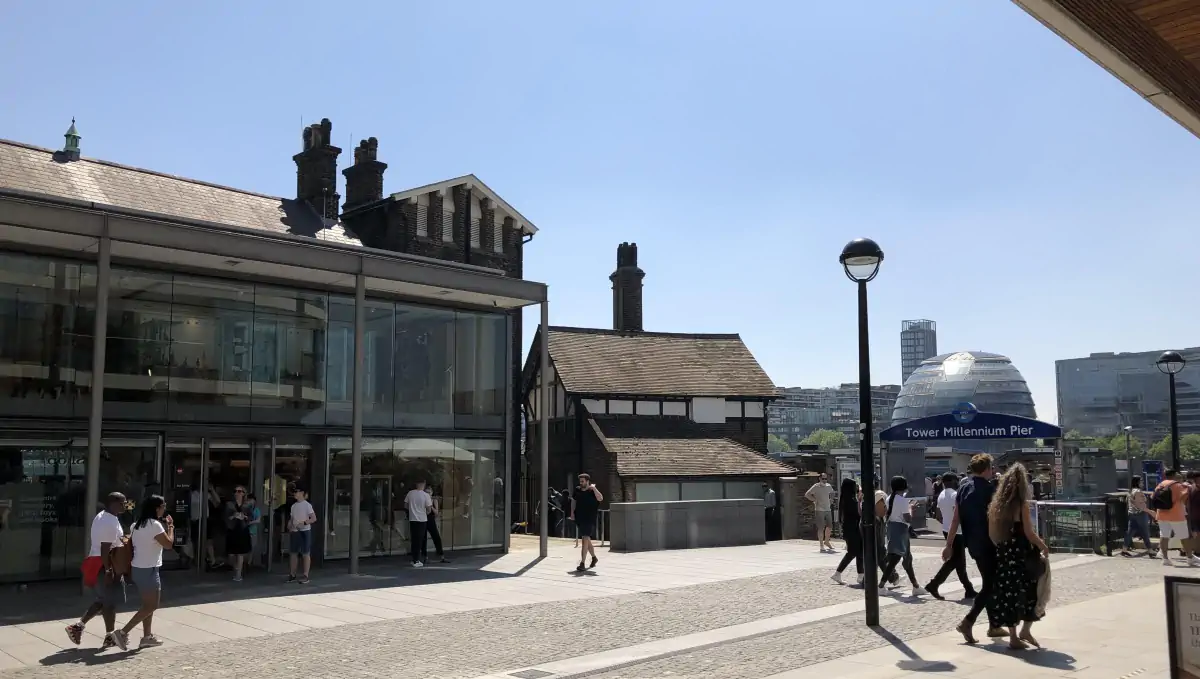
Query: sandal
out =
(965, 630)
(1026, 636)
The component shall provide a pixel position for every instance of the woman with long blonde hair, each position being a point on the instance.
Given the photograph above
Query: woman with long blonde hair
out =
(1018, 560)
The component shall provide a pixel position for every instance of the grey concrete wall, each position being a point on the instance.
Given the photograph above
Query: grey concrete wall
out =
(689, 524)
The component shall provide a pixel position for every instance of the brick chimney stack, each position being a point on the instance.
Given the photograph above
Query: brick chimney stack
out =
(364, 179)
(316, 170)
(627, 290)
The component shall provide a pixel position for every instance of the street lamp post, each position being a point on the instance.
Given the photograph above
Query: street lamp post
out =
(1129, 461)
(861, 259)
(1171, 362)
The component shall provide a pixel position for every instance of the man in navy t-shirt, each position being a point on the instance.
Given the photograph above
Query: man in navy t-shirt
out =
(970, 513)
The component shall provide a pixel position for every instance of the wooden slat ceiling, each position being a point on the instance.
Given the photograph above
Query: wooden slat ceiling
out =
(1177, 22)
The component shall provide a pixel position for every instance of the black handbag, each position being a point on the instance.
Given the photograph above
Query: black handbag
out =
(1034, 564)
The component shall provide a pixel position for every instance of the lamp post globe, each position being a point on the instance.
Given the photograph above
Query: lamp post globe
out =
(1170, 362)
(861, 259)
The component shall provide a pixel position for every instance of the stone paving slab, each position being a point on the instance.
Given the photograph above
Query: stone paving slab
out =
(475, 642)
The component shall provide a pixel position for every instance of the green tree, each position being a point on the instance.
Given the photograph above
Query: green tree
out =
(826, 440)
(776, 444)
(1189, 448)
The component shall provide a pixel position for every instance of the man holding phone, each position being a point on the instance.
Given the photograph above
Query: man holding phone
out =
(585, 506)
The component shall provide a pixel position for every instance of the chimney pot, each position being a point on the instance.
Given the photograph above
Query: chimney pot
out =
(627, 290)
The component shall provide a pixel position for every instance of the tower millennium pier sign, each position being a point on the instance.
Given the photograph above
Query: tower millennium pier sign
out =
(967, 423)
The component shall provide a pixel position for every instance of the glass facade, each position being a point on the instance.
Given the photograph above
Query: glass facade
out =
(188, 349)
(465, 475)
(990, 381)
(1103, 393)
(211, 353)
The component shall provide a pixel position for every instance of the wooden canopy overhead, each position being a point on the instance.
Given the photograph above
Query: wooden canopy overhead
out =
(1151, 45)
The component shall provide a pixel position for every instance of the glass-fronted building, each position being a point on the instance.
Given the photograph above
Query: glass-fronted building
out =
(800, 411)
(229, 359)
(990, 381)
(1103, 393)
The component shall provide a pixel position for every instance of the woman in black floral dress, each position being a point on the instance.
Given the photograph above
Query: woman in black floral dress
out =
(1014, 599)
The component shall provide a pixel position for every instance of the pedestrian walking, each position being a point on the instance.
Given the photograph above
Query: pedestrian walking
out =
(899, 520)
(1170, 501)
(1019, 554)
(821, 495)
(771, 510)
(419, 504)
(238, 542)
(957, 563)
(850, 515)
(585, 506)
(301, 518)
(153, 532)
(1139, 514)
(971, 516)
(105, 533)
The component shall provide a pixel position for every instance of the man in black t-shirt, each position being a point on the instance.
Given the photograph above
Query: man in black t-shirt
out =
(585, 505)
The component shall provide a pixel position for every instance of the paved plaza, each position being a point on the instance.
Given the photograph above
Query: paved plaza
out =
(747, 612)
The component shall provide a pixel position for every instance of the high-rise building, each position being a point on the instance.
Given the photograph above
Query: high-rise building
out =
(799, 412)
(918, 341)
(1102, 394)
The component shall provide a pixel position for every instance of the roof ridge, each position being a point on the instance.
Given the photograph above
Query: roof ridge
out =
(644, 333)
(132, 168)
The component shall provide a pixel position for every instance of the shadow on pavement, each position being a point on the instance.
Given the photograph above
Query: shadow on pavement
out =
(913, 662)
(85, 656)
(39, 602)
(1038, 657)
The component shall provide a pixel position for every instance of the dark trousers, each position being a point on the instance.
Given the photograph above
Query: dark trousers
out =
(894, 560)
(985, 561)
(432, 529)
(854, 548)
(957, 563)
(771, 517)
(416, 537)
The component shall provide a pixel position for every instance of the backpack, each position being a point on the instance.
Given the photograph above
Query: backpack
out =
(121, 557)
(1162, 498)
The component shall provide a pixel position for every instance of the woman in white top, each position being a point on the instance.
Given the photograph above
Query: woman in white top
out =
(153, 532)
(899, 518)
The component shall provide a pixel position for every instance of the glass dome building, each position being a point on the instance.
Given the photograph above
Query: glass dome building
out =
(990, 381)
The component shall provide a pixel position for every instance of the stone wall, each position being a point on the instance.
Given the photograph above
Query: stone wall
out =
(797, 516)
(691, 524)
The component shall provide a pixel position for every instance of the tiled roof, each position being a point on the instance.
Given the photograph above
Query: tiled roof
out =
(35, 170)
(689, 457)
(593, 361)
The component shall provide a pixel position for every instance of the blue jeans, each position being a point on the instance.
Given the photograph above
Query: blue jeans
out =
(1139, 524)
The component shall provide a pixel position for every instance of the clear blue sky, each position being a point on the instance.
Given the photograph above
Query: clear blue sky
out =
(1026, 200)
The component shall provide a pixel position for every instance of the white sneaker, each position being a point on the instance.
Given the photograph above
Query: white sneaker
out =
(1167, 563)
(837, 577)
(919, 591)
(418, 564)
(1194, 562)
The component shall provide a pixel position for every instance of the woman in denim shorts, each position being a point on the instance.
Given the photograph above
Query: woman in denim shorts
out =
(153, 532)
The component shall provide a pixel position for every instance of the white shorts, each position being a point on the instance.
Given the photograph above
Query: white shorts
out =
(1173, 529)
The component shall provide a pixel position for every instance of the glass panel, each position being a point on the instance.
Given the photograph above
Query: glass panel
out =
(378, 389)
(138, 352)
(744, 490)
(479, 366)
(424, 367)
(702, 490)
(657, 492)
(288, 373)
(212, 322)
(339, 372)
(381, 514)
(39, 323)
(293, 469)
(186, 503)
(42, 483)
(485, 491)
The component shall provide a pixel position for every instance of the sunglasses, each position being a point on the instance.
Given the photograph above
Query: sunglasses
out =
(239, 490)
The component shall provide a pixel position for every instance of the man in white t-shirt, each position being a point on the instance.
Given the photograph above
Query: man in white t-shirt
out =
(821, 495)
(958, 558)
(301, 517)
(106, 532)
(419, 504)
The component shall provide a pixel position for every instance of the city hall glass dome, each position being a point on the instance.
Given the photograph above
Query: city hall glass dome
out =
(990, 381)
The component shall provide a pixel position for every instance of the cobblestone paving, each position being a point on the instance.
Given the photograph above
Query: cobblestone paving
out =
(472, 643)
(840, 637)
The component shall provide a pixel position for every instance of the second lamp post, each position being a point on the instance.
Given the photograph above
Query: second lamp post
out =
(1171, 362)
(861, 259)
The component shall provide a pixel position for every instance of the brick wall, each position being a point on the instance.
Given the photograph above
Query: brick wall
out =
(798, 522)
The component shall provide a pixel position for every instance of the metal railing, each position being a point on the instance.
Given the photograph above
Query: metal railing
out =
(1080, 526)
